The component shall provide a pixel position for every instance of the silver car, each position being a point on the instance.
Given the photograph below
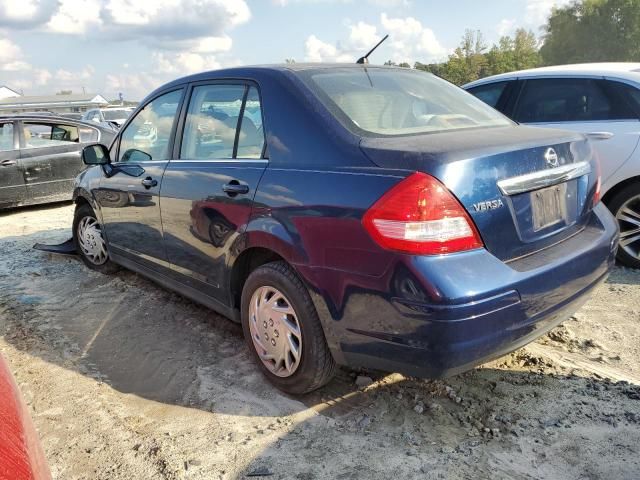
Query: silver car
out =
(601, 100)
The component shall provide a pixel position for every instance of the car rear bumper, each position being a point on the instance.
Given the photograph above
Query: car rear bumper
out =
(439, 316)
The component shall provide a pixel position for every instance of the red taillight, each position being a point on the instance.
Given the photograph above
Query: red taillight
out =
(596, 194)
(420, 216)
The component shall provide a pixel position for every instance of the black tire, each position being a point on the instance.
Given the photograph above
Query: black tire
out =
(316, 367)
(81, 212)
(615, 204)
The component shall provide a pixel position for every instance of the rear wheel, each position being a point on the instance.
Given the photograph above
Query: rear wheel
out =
(283, 331)
(89, 241)
(625, 205)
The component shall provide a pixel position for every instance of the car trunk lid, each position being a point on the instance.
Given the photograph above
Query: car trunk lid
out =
(525, 188)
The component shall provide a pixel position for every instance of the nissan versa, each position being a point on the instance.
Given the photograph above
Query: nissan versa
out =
(349, 214)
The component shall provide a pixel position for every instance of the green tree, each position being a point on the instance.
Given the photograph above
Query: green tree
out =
(517, 53)
(593, 31)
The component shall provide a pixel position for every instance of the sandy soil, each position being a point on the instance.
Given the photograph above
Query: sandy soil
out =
(126, 380)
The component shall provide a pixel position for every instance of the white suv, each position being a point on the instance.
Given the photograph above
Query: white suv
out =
(601, 100)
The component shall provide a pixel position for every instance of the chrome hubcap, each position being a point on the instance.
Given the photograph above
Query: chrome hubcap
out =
(629, 220)
(91, 242)
(275, 331)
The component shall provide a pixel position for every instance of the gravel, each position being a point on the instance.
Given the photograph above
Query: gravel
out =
(127, 380)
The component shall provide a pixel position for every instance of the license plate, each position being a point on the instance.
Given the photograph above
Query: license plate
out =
(549, 206)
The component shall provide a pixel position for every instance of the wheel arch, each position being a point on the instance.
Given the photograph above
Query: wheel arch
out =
(613, 191)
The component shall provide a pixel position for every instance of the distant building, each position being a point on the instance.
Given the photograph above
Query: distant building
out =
(6, 92)
(50, 103)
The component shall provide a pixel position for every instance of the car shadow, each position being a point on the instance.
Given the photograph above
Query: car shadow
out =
(29, 208)
(511, 416)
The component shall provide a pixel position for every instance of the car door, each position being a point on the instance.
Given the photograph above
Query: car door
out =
(586, 105)
(12, 188)
(129, 192)
(207, 192)
(50, 156)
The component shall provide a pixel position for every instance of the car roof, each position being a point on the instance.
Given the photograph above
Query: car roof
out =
(623, 70)
(49, 118)
(251, 70)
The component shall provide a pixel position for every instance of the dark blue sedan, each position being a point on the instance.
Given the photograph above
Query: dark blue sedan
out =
(347, 214)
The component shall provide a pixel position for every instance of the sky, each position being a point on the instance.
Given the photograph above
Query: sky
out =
(133, 46)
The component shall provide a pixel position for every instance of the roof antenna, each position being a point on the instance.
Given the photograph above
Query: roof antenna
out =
(365, 59)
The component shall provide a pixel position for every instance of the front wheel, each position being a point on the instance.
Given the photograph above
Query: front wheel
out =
(283, 331)
(89, 241)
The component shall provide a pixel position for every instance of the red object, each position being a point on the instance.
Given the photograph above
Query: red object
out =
(21, 457)
(421, 216)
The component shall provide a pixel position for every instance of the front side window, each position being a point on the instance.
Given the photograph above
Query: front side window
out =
(554, 100)
(489, 94)
(148, 135)
(38, 135)
(379, 101)
(6, 137)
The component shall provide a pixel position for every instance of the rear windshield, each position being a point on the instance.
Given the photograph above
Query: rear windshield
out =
(395, 102)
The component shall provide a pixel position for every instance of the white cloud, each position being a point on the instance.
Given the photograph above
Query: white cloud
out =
(183, 63)
(506, 26)
(11, 57)
(213, 44)
(75, 16)
(9, 51)
(26, 13)
(318, 51)
(411, 41)
(537, 11)
(65, 76)
(41, 76)
(379, 3)
(363, 35)
(172, 19)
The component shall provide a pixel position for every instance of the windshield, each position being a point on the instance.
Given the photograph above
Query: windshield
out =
(115, 114)
(396, 102)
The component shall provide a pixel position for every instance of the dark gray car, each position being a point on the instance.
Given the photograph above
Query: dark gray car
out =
(40, 156)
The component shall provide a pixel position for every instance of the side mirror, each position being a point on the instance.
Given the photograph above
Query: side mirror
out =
(96, 154)
(135, 156)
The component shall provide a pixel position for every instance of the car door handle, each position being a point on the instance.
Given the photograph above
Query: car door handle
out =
(234, 188)
(149, 182)
(7, 163)
(599, 135)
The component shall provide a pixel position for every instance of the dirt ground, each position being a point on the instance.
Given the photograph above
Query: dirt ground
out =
(126, 380)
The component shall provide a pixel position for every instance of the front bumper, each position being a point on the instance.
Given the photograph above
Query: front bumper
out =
(439, 316)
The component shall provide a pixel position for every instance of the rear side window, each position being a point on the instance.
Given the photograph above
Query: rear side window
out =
(223, 121)
(489, 94)
(627, 94)
(49, 135)
(88, 135)
(568, 100)
(6, 137)
(251, 136)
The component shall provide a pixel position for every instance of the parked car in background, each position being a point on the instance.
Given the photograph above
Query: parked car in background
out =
(114, 116)
(366, 216)
(21, 456)
(40, 156)
(600, 100)
(72, 115)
